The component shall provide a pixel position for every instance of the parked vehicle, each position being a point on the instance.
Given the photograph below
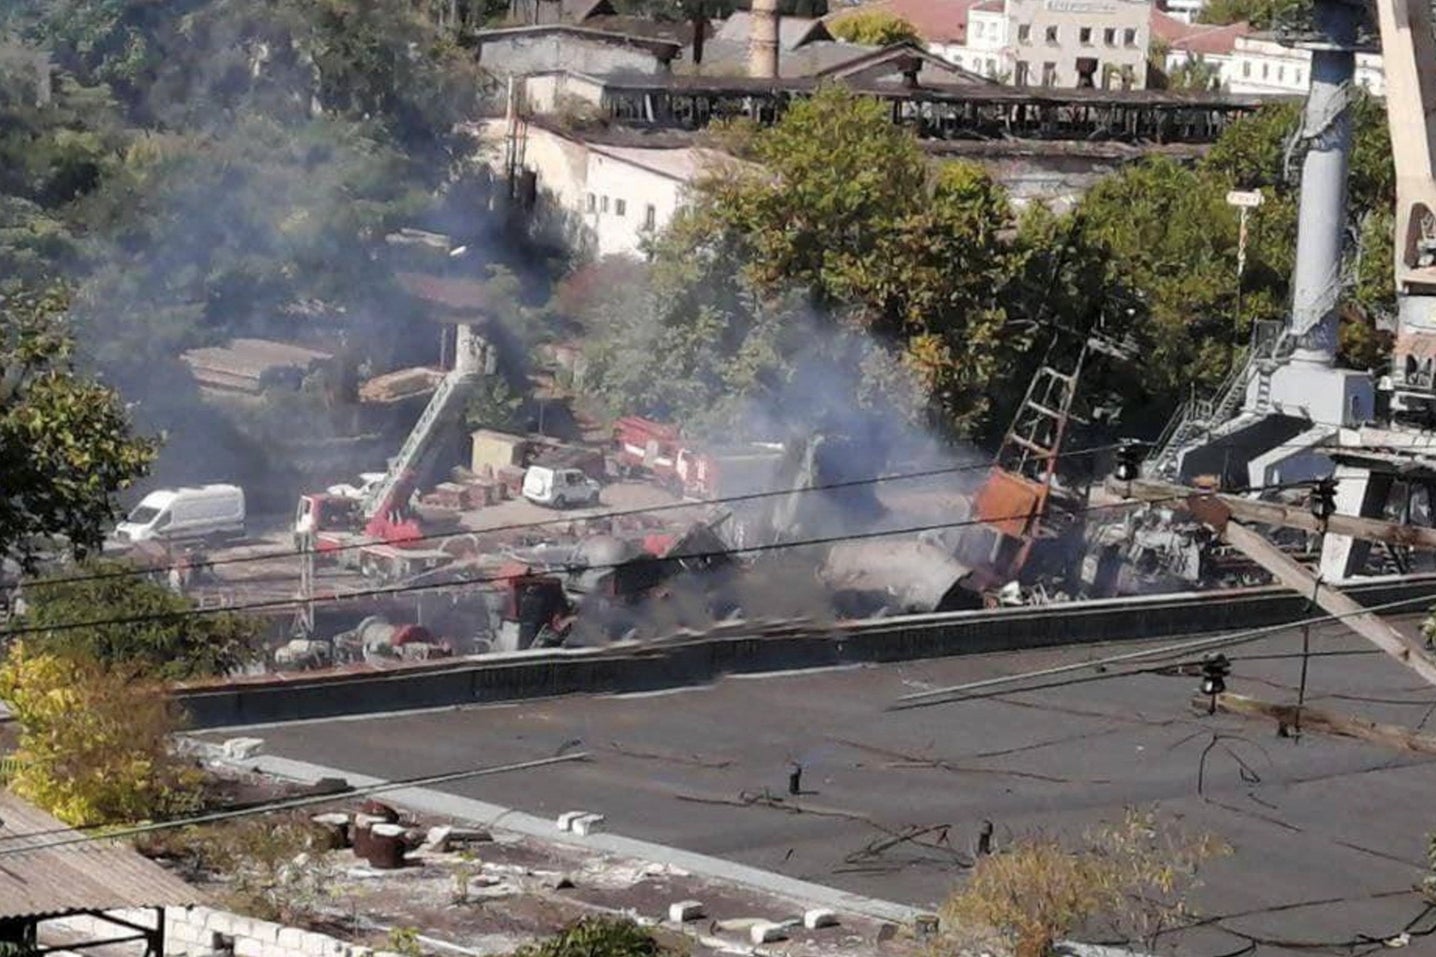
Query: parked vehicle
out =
(657, 450)
(559, 488)
(208, 511)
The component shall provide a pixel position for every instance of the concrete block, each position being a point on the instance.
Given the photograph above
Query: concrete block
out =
(566, 819)
(265, 932)
(588, 824)
(219, 922)
(438, 839)
(681, 912)
(240, 749)
(248, 947)
(817, 917)
(316, 945)
(767, 932)
(291, 938)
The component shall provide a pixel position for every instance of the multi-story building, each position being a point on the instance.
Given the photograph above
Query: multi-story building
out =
(1243, 61)
(1071, 43)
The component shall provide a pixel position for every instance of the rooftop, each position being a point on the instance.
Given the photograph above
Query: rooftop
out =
(936, 21)
(661, 48)
(47, 869)
(1329, 834)
(1203, 39)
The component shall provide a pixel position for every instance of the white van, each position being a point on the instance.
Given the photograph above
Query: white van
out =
(185, 513)
(559, 488)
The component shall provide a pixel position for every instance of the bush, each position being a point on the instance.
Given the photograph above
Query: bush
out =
(597, 937)
(171, 644)
(94, 743)
(1134, 875)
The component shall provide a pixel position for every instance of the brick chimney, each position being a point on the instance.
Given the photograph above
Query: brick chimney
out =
(763, 42)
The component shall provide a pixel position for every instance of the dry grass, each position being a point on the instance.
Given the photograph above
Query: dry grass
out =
(1132, 877)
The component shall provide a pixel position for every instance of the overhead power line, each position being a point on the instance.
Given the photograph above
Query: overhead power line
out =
(565, 519)
(658, 510)
(280, 804)
(955, 694)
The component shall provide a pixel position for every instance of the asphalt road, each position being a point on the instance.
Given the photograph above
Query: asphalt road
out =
(1328, 835)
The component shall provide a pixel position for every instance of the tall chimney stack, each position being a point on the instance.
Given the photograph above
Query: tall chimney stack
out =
(763, 43)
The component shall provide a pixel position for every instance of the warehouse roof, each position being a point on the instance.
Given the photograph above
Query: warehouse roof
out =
(47, 869)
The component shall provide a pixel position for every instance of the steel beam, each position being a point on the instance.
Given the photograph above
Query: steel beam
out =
(1257, 512)
(1293, 575)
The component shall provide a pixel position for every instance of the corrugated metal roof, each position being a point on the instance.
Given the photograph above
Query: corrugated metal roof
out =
(39, 879)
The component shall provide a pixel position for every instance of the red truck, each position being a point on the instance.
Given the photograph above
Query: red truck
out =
(645, 447)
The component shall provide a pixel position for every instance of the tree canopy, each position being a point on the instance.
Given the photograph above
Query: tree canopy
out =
(874, 28)
(138, 624)
(844, 249)
(65, 441)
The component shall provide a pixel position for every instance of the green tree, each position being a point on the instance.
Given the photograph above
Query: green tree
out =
(846, 248)
(168, 643)
(94, 743)
(65, 441)
(1261, 14)
(874, 28)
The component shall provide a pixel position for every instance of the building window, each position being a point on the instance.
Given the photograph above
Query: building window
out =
(1247, 68)
(592, 203)
(1129, 37)
(1049, 74)
(1265, 70)
(1281, 74)
(650, 217)
(957, 58)
(1052, 36)
(1298, 76)
(1109, 36)
(1084, 36)
(620, 207)
(1019, 75)
(1024, 33)
(604, 204)
(992, 67)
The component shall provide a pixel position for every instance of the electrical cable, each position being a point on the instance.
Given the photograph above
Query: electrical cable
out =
(492, 579)
(658, 509)
(564, 519)
(280, 804)
(922, 698)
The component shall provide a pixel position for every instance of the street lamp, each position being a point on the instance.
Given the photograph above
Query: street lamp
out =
(1244, 200)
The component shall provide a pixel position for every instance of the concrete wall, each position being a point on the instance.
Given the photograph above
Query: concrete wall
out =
(1117, 34)
(594, 202)
(734, 650)
(194, 931)
(629, 204)
(522, 53)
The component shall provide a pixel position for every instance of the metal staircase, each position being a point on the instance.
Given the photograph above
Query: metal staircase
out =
(1198, 417)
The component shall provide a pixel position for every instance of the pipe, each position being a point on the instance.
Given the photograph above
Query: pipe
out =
(763, 40)
(1321, 229)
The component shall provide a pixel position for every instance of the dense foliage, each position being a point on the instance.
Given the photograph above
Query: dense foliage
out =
(65, 442)
(874, 27)
(93, 743)
(844, 254)
(845, 261)
(138, 624)
(597, 937)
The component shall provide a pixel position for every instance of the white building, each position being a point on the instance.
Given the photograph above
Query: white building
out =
(598, 199)
(1071, 43)
(969, 33)
(1259, 64)
(1033, 42)
(1248, 62)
